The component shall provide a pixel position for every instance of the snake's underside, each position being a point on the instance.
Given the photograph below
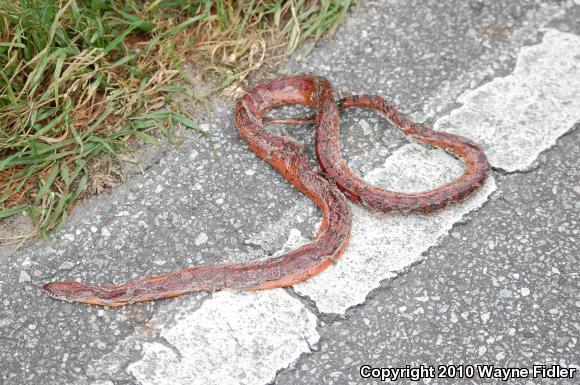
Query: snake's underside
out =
(329, 189)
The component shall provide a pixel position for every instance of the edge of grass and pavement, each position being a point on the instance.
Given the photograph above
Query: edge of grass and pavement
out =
(83, 83)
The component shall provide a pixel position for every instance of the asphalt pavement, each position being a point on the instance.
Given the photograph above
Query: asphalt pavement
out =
(491, 281)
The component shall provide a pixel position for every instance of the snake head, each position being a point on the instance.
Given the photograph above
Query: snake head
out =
(67, 291)
(92, 294)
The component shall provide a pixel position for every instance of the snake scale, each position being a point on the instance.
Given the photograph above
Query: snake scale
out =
(329, 189)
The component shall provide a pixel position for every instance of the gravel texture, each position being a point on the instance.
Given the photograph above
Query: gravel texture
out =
(500, 287)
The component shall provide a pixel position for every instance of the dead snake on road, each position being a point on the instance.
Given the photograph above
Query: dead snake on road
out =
(328, 189)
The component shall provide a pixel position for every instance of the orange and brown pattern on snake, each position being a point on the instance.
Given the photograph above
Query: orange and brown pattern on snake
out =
(286, 156)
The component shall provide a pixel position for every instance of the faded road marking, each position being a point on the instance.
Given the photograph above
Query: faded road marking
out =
(517, 117)
(382, 245)
(221, 342)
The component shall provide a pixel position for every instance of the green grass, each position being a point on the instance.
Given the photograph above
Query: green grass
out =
(80, 79)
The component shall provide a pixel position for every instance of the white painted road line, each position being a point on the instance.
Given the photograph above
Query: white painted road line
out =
(382, 245)
(517, 117)
(233, 338)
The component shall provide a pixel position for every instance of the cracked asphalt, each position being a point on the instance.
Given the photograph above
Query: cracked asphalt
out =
(500, 287)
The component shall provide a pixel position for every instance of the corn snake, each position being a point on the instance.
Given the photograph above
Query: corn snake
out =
(329, 189)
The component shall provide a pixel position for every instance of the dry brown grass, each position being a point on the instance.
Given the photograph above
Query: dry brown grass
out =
(80, 79)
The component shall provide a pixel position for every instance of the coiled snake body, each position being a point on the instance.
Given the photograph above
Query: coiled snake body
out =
(328, 189)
